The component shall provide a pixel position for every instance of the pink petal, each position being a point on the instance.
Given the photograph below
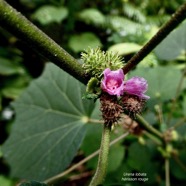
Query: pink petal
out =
(137, 86)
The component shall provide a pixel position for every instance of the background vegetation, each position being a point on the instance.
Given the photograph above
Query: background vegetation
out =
(122, 26)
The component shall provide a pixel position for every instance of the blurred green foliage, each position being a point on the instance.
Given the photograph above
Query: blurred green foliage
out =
(123, 26)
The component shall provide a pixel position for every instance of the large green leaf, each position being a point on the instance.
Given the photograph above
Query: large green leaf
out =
(173, 45)
(49, 126)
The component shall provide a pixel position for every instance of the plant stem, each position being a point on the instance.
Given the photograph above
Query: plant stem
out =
(22, 28)
(152, 137)
(147, 126)
(167, 172)
(175, 20)
(58, 177)
(103, 157)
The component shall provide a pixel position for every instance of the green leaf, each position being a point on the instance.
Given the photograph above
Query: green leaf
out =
(177, 167)
(14, 85)
(173, 45)
(116, 156)
(9, 68)
(162, 81)
(92, 143)
(33, 183)
(48, 14)
(80, 42)
(125, 48)
(5, 181)
(138, 156)
(184, 105)
(49, 126)
(92, 16)
(1, 153)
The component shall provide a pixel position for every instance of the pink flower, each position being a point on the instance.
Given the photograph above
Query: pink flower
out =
(136, 86)
(113, 82)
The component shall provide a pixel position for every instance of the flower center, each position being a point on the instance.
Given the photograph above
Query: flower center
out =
(112, 84)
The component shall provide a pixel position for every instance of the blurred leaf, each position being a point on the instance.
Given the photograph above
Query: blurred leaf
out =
(5, 181)
(80, 42)
(125, 48)
(116, 156)
(92, 16)
(162, 81)
(124, 25)
(184, 105)
(49, 126)
(12, 92)
(91, 143)
(173, 45)
(1, 153)
(48, 14)
(138, 156)
(133, 12)
(14, 85)
(32, 183)
(149, 61)
(0, 101)
(179, 171)
(8, 67)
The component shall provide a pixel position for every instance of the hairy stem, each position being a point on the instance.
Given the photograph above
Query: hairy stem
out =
(175, 20)
(22, 28)
(103, 158)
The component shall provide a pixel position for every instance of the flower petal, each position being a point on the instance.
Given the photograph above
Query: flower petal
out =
(136, 86)
(113, 82)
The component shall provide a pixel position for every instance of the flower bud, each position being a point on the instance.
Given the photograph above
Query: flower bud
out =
(132, 104)
(110, 109)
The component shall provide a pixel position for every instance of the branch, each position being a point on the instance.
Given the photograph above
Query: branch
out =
(176, 19)
(148, 127)
(22, 28)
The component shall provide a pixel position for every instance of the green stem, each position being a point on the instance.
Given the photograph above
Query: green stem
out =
(152, 137)
(103, 157)
(175, 20)
(148, 127)
(22, 28)
(167, 172)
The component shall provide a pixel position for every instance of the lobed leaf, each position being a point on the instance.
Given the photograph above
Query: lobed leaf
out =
(49, 126)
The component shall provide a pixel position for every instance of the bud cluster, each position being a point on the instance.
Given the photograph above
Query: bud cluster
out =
(107, 83)
(113, 107)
